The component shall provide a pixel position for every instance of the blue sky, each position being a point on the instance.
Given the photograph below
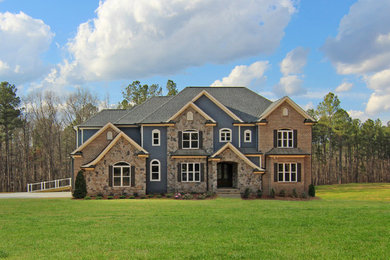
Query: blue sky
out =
(303, 49)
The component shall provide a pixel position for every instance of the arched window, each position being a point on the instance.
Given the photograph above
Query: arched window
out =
(247, 136)
(109, 135)
(155, 170)
(121, 174)
(190, 116)
(156, 137)
(225, 135)
(285, 111)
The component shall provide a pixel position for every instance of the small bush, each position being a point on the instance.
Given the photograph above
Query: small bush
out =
(201, 197)
(162, 194)
(143, 197)
(178, 195)
(169, 195)
(159, 196)
(303, 196)
(272, 194)
(294, 193)
(150, 196)
(100, 194)
(110, 197)
(259, 193)
(122, 197)
(188, 196)
(87, 198)
(312, 190)
(209, 194)
(99, 197)
(246, 193)
(135, 194)
(132, 197)
(282, 193)
(80, 190)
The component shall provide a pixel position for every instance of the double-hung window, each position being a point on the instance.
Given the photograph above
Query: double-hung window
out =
(285, 138)
(155, 170)
(247, 136)
(287, 172)
(190, 139)
(225, 135)
(190, 172)
(156, 137)
(121, 174)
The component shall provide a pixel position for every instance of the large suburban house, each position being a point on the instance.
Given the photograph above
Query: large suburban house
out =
(203, 139)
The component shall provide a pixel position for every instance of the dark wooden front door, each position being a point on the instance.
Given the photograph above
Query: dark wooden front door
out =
(225, 175)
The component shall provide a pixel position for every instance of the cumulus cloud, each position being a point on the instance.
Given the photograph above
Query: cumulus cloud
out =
(344, 87)
(362, 48)
(243, 75)
(23, 40)
(143, 38)
(358, 114)
(292, 67)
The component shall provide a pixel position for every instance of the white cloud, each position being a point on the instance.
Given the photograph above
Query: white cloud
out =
(243, 75)
(294, 61)
(343, 87)
(23, 40)
(143, 38)
(357, 114)
(362, 48)
(308, 106)
(290, 85)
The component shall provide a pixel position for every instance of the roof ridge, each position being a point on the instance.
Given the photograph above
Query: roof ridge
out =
(171, 97)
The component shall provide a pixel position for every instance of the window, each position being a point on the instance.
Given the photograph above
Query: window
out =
(109, 135)
(190, 139)
(156, 137)
(121, 174)
(285, 111)
(155, 170)
(247, 136)
(225, 135)
(287, 172)
(190, 116)
(285, 139)
(190, 172)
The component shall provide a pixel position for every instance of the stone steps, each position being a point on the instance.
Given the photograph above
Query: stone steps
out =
(228, 193)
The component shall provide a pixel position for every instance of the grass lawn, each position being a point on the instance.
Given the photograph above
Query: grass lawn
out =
(350, 221)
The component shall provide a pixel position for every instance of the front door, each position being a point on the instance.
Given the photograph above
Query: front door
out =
(225, 175)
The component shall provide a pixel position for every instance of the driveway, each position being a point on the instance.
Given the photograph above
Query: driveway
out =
(35, 195)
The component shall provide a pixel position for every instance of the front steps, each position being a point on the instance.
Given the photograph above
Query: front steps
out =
(228, 193)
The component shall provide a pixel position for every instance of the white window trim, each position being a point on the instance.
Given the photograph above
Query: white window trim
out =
(290, 172)
(190, 140)
(287, 131)
(121, 177)
(250, 136)
(159, 170)
(225, 131)
(193, 172)
(190, 116)
(109, 136)
(159, 137)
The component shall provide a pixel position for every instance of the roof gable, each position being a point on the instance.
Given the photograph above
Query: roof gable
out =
(196, 108)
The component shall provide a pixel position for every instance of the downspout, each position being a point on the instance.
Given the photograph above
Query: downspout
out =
(207, 173)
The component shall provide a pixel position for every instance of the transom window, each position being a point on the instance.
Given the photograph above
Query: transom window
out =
(287, 172)
(121, 174)
(156, 137)
(190, 139)
(155, 170)
(225, 135)
(190, 172)
(247, 136)
(285, 138)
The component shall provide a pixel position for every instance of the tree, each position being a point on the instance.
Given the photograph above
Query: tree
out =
(80, 186)
(9, 119)
(136, 93)
(171, 87)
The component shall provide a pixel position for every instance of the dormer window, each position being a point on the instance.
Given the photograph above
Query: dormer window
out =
(190, 139)
(190, 116)
(156, 137)
(247, 136)
(109, 135)
(225, 135)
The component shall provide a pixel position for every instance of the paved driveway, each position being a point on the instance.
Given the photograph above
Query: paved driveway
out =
(35, 195)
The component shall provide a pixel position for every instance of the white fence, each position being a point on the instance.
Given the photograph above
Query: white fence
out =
(49, 185)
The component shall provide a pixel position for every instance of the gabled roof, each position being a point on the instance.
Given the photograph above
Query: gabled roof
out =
(110, 145)
(286, 151)
(239, 154)
(101, 130)
(104, 116)
(279, 102)
(196, 108)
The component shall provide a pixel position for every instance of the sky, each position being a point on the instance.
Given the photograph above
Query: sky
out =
(302, 49)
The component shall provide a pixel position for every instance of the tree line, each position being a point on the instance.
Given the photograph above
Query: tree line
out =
(37, 136)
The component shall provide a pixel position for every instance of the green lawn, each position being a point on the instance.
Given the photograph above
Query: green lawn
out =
(350, 221)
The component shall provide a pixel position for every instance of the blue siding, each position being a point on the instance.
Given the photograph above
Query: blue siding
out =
(87, 133)
(254, 137)
(159, 153)
(255, 160)
(133, 132)
(223, 120)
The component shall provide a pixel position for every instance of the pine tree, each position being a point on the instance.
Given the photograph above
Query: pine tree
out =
(80, 190)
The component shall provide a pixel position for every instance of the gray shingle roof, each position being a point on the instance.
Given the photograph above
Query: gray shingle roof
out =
(249, 150)
(286, 151)
(190, 152)
(105, 116)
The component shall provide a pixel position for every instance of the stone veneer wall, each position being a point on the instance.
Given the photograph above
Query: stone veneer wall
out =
(182, 124)
(122, 151)
(185, 186)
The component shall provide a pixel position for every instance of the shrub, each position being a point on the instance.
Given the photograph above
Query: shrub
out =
(122, 197)
(162, 194)
(87, 198)
(132, 197)
(99, 197)
(209, 194)
(135, 194)
(188, 196)
(143, 197)
(201, 197)
(159, 196)
(100, 194)
(150, 196)
(178, 195)
(246, 193)
(304, 196)
(312, 190)
(169, 195)
(294, 193)
(80, 185)
(110, 197)
(282, 193)
(272, 194)
(259, 193)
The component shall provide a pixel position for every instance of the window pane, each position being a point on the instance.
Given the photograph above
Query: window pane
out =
(126, 181)
(197, 167)
(155, 176)
(290, 143)
(117, 171)
(293, 167)
(197, 176)
(284, 143)
(287, 167)
(194, 144)
(154, 168)
(280, 167)
(290, 135)
(117, 181)
(190, 177)
(194, 136)
(155, 135)
(190, 167)
(186, 144)
(184, 176)
(293, 176)
(186, 136)
(126, 171)
(280, 176)
(279, 143)
(287, 176)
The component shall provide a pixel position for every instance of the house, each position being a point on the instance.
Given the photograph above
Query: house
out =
(202, 139)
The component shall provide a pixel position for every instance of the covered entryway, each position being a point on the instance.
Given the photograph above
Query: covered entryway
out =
(226, 174)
